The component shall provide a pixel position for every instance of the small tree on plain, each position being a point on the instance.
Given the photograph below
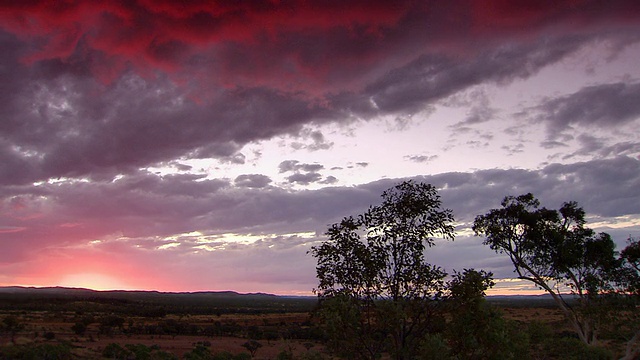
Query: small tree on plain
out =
(252, 346)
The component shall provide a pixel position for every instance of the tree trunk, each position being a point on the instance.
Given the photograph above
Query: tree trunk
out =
(632, 350)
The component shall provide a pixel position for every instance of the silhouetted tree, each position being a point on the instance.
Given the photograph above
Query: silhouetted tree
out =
(252, 346)
(374, 282)
(628, 283)
(554, 250)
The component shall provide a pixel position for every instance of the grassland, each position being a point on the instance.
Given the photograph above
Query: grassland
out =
(59, 323)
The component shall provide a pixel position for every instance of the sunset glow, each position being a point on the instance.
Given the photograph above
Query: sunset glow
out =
(94, 282)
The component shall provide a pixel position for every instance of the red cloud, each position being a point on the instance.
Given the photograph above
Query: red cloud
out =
(170, 36)
(290, 45)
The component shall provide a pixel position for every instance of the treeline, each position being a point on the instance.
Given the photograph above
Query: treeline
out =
(150, 304)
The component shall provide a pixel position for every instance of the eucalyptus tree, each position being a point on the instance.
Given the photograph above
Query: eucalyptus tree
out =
(629, 287)
(376, 286)
(556, 251)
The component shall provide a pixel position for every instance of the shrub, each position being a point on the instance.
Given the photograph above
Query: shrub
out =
(115, 351)
(44, 351)
(434, 347)
(200, 352)
(79, 328)
(573, 349)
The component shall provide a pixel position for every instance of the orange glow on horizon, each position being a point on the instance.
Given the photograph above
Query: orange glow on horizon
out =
(94, 281)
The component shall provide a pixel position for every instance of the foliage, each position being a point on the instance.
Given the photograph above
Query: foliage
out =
(380, 254)
(552, 249)
(109, 322)
(568, 348)
(224, 355)
(373, 277)
(467, 289)
(202, 352)
(434, 347)
(351, 328)
(79, 328)
(115, 351)
(45, 351)
(476, 330)
(252, 346)
(136, 351)
(631, 267)
(12, 325)
(627, 299)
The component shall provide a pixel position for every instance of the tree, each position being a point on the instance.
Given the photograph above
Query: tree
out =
(476, 330)
(252, 346)
(554, 250)
(373, 277)
(629, 287)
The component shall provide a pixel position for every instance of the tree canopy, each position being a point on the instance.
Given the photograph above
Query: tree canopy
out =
(556, 251)
(380, 253)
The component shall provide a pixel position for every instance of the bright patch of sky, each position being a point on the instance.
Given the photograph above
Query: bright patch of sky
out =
(435, 140)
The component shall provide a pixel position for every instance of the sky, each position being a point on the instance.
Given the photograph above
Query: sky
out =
(197, 145)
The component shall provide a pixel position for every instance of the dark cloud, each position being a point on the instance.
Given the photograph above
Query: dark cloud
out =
(182, 167)
(252, 181)
(237, 158)
(605, 187)
(145, 208)
(513, 149)
(480, 109)
(329, 180)
(295, 165)
(604, 105)
(433, 77)
(551, 144)
(95, 90)
(362, 164)
(69, 128)
(421, 158)
(178, 203)
(304, 179)
(318, 142)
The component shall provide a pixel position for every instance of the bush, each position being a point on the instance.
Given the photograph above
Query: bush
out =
(538, 332)
(115, 351)
(574, 349)
(137, 352)
(434, 347)
(45, 351)
(79, 328)
(482, 333)
(200, 352)
(252, 346)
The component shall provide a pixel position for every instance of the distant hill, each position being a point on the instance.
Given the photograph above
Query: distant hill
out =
(80, 291)
(63, 298)
(201, 302)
